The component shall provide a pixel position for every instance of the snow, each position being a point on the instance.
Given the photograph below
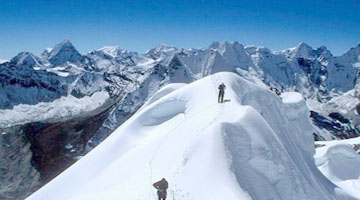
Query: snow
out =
(3, 61)
(164, 91)
(248, 148)
(64, 107)
(291, 97)
(338, 161)
(343, 103)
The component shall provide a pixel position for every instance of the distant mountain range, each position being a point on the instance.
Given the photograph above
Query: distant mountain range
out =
(32, 85)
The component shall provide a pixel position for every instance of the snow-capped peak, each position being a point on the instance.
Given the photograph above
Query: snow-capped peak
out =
(46, 53)
(164, 48)
(255, 146)
(3, 61)
(214, 45)
(26, 59)
(63, 52)
(302, 50)
(113, 51)
(353, 54)
(323, 53)
(160, 51)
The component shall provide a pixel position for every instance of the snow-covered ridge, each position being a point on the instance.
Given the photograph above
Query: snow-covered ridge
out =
(130, 79)
(315, 73)
(338, 161)
(248, 148)
(3, 61)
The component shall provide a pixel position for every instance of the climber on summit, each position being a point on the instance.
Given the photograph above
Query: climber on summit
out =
(161, 186)
(222, 88)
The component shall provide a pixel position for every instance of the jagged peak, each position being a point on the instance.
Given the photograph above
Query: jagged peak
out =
(225, 44)
(22, 55)
(232, 44)
(161, 49)
(25, 58)
(303, 45)
(323, 52)
(214, 45)
(302, 50)
(164, 47)
(113, 51)
(322, 47)
(110, 48)
(63, 52)
(46, 53)
(64, 44)
(353, 50)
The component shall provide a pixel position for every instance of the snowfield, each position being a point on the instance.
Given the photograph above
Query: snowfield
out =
(254, 146)
(64, 107)
(338, 161)
(3, 61)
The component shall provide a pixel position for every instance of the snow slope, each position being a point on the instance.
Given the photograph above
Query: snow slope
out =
(338, 161)
(253, 147)
(3, 61)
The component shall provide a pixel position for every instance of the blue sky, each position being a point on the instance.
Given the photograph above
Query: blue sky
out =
(29, 25)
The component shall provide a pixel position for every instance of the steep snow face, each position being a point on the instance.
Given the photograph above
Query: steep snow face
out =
(254, 146)
(64, 52)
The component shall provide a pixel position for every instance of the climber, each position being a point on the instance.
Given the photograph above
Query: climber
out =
(277, 91)
(222, 88)
(161, 186)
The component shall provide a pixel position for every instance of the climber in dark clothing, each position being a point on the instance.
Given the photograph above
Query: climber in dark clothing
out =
(161, 186)
(222, 88)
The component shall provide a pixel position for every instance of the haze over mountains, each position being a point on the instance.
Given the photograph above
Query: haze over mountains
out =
(78, 99)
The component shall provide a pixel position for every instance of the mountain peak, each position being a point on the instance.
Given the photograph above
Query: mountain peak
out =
(302, 50)
(214, 45)
(160, 51)
(3, 61)
(26, 59)
(64, 52)
(303, 46)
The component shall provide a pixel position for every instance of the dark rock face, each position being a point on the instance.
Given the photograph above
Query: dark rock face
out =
(55, 146)
(64, 52)
(40, 85)
(34, 153)
(336, 124)
(18, 177)
(339, 117)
